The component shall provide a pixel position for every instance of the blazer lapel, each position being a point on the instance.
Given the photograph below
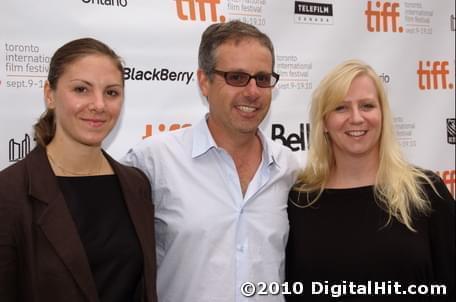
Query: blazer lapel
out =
(54, 219)
(141, 212)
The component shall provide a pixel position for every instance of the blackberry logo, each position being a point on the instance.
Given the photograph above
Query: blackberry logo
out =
(157, 74)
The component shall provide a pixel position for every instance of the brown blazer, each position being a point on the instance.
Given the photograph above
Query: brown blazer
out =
(42, 258)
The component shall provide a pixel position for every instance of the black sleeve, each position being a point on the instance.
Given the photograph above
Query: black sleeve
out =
(8, 255)
(442, 225)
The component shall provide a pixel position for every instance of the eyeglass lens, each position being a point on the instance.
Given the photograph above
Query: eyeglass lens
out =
(242, 79)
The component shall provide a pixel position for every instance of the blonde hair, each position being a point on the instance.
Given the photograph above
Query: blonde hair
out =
(398, 186)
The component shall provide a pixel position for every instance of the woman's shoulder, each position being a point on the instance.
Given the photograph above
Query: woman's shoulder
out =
(15, 175)
(133, 171)
(11, 171)
(437, 191)
(129, 171)
(14, 189)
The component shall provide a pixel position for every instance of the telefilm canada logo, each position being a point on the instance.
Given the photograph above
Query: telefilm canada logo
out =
(18, 150)
(451, 130)
(314, 12)
(118, 3)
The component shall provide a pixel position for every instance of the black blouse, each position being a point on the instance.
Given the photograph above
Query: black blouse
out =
(344, 237)
(107, 234)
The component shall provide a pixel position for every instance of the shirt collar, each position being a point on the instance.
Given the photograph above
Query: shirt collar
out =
(202, 138)
(269, 152)
(203, 142)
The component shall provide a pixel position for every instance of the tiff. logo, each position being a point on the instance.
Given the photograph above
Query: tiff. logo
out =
(162, 128)
(383, 17)
(184, 12)
(18, 151)
(433, 75)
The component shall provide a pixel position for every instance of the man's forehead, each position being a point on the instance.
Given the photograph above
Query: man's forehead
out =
(236, 41)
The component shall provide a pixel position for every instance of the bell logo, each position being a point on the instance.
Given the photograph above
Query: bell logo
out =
(433, 75)
(383, 16)
(188, 10)
(162, 128)
(294, 141)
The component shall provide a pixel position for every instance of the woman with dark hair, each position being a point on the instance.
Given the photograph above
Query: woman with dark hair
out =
(76, 225)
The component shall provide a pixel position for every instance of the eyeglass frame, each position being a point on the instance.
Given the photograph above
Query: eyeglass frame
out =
(225, 74)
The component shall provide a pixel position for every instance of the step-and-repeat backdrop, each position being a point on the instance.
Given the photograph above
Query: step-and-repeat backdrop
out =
(410, 43)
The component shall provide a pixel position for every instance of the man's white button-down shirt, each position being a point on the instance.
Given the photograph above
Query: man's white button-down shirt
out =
(210, 238)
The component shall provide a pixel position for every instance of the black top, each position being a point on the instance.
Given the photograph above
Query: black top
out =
(107, 234)
(344, 236)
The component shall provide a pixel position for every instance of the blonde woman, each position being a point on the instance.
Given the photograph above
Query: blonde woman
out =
(359, 211)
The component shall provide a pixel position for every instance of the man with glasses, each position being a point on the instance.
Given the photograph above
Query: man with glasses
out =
(220, 188)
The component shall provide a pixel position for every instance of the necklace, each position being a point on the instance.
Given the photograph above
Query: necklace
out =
(67, 172)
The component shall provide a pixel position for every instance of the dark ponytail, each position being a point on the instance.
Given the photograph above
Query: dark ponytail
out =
(45, 128)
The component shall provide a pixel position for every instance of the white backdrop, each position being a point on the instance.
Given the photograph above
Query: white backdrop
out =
(411, 44)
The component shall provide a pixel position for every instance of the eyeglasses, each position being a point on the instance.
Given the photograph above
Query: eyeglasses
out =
(242, 79)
